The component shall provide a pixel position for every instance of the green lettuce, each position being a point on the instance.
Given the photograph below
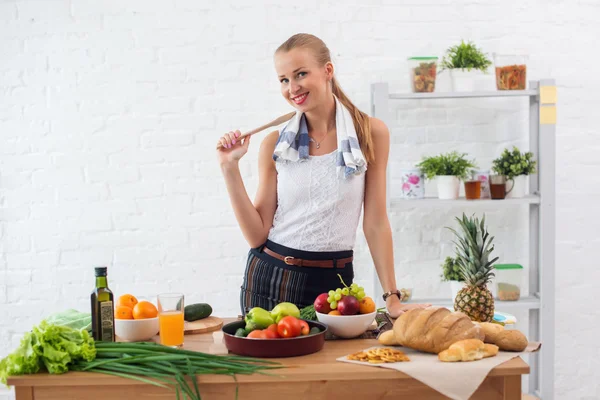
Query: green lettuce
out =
(48, 347)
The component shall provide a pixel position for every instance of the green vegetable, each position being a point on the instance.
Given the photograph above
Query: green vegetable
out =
(258, 318)
(314, 330)
(50, 347)
(240, 332)
(283, 310)
(308, 313)
(72, 318)
(167, 367)
(194, 312)
(59, 348)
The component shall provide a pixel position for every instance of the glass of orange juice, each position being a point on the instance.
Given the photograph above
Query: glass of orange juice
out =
(170, 319)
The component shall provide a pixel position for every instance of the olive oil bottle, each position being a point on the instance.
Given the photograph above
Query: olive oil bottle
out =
(103, 316)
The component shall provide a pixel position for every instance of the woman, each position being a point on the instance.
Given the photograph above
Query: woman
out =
(315, 174)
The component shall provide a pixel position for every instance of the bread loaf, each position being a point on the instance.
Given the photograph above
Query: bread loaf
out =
(468, 350)
(434, 329)
(505, 339)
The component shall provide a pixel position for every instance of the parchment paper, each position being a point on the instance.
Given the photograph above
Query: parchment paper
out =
(457, 380)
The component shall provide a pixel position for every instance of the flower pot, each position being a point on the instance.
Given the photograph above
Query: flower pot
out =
(455, 287)
(413, 181)
(448, 187)
(462, 80)
(516, 187)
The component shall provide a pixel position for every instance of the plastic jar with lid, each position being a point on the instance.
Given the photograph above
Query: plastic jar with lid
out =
(423, 73)
(509, 278)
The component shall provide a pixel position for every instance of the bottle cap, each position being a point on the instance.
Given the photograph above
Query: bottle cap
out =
(100, 271)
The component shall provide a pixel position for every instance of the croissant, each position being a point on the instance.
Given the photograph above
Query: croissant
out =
(434, 329)
(468, 350)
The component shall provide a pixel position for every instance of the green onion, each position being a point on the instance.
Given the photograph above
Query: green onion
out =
(160, 365)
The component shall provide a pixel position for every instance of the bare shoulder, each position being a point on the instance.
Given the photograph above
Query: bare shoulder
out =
(267, 146)
(379, 129)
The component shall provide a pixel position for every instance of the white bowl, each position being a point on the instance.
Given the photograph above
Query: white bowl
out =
(136, 330)
(347, 326)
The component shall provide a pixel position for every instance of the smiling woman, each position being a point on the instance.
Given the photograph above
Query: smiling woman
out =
(317, 172)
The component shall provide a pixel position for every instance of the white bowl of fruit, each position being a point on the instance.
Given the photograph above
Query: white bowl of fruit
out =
(347, 312)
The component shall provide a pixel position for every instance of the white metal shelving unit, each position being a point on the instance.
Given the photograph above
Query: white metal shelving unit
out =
(541, 202)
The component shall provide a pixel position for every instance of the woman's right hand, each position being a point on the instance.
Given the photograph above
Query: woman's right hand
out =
(232, 148)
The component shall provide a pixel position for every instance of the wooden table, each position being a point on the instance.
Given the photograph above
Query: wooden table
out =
(315, 376)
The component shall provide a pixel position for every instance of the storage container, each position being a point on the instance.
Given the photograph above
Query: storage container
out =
(509, 279)
(423, 73)
(511, 71)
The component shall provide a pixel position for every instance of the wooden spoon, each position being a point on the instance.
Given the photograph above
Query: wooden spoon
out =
(275, 122)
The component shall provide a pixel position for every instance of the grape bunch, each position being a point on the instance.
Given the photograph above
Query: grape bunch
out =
(336, 295)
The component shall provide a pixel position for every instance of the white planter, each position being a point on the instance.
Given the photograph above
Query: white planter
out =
(448, 187)
(455, 287)
(516, 187)
(462, 80)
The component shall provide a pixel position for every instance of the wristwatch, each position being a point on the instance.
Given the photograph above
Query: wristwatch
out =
(392, 292)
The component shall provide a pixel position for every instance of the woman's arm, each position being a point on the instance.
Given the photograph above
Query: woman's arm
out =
(376, 224)
(255, 220)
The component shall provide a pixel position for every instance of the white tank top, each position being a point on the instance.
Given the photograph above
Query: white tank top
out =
(316, 210)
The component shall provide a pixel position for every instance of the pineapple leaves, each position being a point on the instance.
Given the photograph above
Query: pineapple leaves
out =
(473, 248)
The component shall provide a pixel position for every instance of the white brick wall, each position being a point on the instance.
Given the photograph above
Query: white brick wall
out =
(109, 112)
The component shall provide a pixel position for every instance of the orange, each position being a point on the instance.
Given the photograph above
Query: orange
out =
(144, 309)
(335, 312)
(366, 305)
(123, 312)
(127, 300)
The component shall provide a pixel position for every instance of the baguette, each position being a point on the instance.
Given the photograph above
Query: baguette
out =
(434, 329)
(468, 350)
(505, 339)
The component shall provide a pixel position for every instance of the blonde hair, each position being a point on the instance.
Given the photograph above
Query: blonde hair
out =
(362, 123)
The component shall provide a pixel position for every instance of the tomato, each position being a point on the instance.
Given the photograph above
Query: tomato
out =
(269, 334)
(304, 328)
(257, 334)
(289, 327)
(273, 329)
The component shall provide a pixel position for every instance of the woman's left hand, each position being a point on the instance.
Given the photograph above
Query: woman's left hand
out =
(396, 308)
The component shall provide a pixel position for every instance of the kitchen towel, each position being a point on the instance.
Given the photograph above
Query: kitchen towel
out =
(292, 144)
(442, 376)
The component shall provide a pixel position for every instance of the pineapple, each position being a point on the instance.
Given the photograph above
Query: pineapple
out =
(472, 255)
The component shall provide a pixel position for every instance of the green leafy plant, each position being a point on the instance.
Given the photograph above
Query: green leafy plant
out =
(451, 270)
(451, 163)
(465, 56)
(513, 163)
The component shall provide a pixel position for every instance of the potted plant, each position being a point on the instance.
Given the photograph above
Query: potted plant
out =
(467, 64)
(516, 167)
(448, 169)
(451, 273)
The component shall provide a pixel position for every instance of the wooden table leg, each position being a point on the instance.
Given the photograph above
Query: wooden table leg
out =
(512, 387)
(24, 392)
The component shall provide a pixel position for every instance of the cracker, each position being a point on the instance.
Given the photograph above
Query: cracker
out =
(379, 355)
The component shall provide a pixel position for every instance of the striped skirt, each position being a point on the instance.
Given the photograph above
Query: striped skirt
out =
(269, 281)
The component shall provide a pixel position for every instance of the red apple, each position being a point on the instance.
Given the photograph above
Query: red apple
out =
(348, 305)
(321, 304)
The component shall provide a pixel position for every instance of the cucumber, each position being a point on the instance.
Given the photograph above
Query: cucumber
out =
(240, 332)
(314, 330)
(194, 312)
